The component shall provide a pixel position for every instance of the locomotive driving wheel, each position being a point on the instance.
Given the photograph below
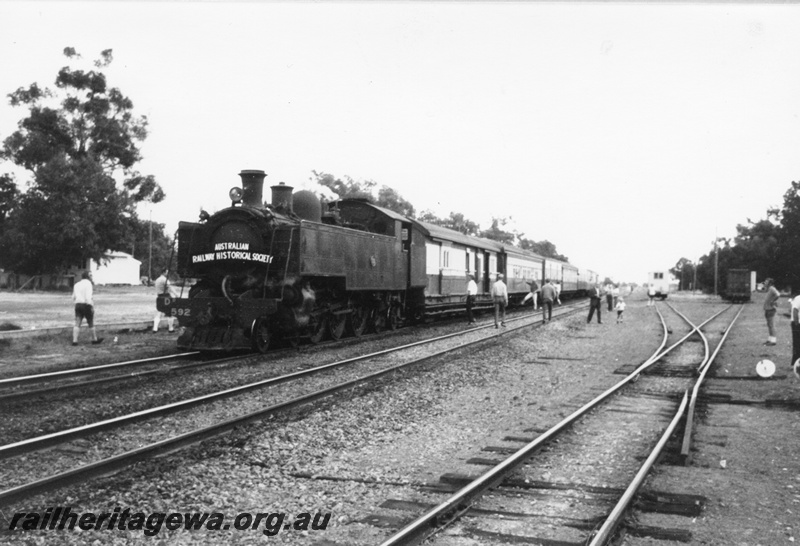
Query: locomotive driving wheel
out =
(378, 320)
(260, 336)
(393, 318)
(317, 325)
(336, 324)
(357, 320)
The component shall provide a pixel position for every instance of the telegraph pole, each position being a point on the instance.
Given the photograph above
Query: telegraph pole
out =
(150, 251)
(716, 264)
(716, 259)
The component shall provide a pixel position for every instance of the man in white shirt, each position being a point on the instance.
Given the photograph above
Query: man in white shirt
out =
(472, 291)
(163, 289)
(770, 309)
(84, 307)
(500, 297)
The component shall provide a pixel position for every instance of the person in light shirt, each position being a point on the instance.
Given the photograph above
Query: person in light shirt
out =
(500, 297)
(163, 289)
(472, 291)
(770, 309)
(84, 308)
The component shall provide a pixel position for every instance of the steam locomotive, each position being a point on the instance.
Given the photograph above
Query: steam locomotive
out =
(293, 270)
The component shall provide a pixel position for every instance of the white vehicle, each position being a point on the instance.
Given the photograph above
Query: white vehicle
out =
(662, 282)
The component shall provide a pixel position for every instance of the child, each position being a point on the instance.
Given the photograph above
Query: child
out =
(620, 309)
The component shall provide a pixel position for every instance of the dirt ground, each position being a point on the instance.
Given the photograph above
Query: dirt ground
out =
(123, 314)
(55, 309)
(744, 460)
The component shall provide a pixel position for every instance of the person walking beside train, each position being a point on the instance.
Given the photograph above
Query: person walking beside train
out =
(472, 291)
(163, 289)
(557, 286)
(770, 309)
(533, 294)
(84, 307)
(548, 297)
(500, 297)
(595, 304)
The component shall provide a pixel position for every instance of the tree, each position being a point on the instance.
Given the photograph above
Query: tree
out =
(76, 142)
(542, 248)
(456, 221)
(497, 233)
(788, 247)
(388, 198)
(9, 194)
(683, 271)
(385, 196)
(347, 188)
(142, 243)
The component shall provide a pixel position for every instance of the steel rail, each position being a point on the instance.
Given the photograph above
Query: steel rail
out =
(423, 526)
(37, 378)
(615, 516)
(610, 525)
(67, 374)
(687, 433)
(123, 460)
(64, 387)
(41, 442)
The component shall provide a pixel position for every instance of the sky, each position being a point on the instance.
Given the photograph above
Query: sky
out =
(629, 135)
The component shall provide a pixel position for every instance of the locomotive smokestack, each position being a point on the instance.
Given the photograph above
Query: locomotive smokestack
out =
(282, 197)
(253, 188)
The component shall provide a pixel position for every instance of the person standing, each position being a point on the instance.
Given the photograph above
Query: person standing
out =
(163, 289)
(610, 296)
(615, 294)
(795, 303)
(595, 304)
(620, 307)
(500, 297)
(548, 297)
(533, 294)
(472, 291)
(770, 309)
(557, 286)
(651, 293)
(84, 307)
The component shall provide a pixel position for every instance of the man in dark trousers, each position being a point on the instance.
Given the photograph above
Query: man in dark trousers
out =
(548, 297)
(472, 291)
(594, 304)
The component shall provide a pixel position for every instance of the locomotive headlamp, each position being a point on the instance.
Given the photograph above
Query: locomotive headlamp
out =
(236, 194)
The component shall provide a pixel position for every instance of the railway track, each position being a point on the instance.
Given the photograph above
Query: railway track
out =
(74, 379)
(588, 468)
(31, 448)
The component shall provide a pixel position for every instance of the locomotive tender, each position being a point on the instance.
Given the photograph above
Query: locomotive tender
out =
(290, 270)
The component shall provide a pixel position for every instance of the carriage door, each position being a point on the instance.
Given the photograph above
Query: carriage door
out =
(486, 272)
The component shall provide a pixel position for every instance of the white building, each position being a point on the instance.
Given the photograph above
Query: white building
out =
(115, 268)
